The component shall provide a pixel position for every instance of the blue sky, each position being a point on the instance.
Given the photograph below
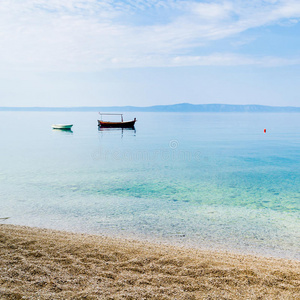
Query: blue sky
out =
(149, 52)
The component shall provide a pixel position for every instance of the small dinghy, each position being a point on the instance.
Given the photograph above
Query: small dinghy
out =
(62, 126)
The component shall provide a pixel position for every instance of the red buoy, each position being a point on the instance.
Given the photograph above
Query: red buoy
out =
(265, 130)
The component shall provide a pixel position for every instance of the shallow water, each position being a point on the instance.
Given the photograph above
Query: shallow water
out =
(205, 180)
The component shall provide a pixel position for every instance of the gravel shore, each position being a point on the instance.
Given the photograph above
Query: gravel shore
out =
(47, 264)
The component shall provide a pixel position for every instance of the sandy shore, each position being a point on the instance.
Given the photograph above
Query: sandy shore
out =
(47, 264)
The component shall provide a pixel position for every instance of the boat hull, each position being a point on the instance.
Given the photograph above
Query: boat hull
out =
(128, 124)
(62, 126)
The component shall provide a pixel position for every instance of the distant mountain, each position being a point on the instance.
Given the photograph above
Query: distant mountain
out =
(182, 107)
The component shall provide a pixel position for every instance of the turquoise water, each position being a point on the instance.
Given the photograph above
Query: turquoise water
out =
(202, 180)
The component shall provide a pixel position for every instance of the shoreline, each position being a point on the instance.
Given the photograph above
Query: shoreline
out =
(52, 264)
(205, 245)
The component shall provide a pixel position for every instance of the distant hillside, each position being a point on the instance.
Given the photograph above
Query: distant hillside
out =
(182, 107)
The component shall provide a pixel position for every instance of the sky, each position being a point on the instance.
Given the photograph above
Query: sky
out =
(149, 52)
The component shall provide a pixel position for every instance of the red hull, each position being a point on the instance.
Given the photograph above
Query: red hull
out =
(129, 124)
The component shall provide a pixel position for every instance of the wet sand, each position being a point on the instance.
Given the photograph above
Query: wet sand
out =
(47, 264)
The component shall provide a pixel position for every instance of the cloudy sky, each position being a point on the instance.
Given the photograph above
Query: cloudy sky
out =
(148, 52)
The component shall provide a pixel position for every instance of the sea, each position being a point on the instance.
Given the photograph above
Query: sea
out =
(217, 181)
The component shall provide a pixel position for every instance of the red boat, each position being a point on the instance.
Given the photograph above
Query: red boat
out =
(122, 124)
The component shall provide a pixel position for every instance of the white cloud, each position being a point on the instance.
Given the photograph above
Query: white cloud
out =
(212, 12)
(91, 35)
(221, 59)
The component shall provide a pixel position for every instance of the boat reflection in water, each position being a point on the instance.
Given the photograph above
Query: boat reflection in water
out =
(63, 131)
(121, 130)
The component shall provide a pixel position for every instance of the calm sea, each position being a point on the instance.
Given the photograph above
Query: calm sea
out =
(209, 180)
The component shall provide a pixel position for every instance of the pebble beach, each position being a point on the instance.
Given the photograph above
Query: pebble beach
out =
(47, 264)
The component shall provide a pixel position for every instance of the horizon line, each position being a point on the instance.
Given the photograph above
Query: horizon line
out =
(134, 106)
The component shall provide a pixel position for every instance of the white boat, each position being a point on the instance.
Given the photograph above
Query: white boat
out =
(62, 126)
